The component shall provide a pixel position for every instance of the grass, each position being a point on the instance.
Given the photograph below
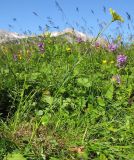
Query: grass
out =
(61, 102)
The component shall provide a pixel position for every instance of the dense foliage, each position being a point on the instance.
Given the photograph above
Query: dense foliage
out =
(66, 101)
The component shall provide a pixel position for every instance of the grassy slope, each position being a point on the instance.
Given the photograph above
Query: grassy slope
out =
(62, 104)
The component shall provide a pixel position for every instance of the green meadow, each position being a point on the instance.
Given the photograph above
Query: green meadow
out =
(66, 101)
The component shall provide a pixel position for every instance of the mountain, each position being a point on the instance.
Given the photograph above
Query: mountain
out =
(69, 33)
(6, 36)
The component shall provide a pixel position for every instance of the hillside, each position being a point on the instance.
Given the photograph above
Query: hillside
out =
(66, 101)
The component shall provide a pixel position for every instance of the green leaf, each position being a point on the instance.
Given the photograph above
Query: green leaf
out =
(47, 99)
(45, 119)
(53, 158)
(100, 101)
(109, 93)
(85, 82)
(102, 157)
(40, 113)
(34, 76)
(14, 156)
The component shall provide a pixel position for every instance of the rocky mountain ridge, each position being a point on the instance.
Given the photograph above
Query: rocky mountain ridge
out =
(69, 33)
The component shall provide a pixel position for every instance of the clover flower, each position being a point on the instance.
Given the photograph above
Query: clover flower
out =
(115, 16)
(112, 47)
(121, 60)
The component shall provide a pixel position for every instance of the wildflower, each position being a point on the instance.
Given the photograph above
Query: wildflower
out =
(41, 47)
(112, 62)
(115, 16)
(121, 60)
(68, 49)
(104, 61)
(79, 39)
(116, 78)
(19, 56)
(97, 44)
(112, 47)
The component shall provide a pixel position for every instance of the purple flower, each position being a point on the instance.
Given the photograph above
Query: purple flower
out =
(116, 78)
(97, 44)
(41, 47)
(79, 39)
(121, 60)
(112, 47)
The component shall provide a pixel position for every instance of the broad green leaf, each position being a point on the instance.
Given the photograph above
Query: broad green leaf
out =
(40, 113)
(109, 93)
(14, 156)
(47, 99)
(102, 157)
(100, 101)
(85, 82)
(45, 119)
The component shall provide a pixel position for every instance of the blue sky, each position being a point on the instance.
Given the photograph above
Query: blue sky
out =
(77, 13)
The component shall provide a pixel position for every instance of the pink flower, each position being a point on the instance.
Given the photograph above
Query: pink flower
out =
(121, 60)
(112, 47)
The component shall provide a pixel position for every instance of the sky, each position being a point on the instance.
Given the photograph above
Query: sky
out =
(35, 16)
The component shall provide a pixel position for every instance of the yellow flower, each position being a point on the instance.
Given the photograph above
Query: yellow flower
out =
(115, 16)
(104, 61)
(68, 49)
(112, 62)
(19, 56)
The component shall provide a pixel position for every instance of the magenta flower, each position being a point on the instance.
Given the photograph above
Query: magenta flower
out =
(112, 47)
(121, 60)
